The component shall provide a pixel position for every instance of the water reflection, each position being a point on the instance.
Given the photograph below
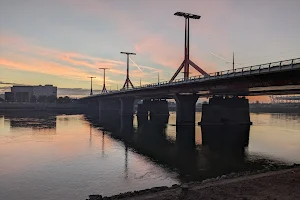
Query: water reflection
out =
(286, 116)
(82, 155)
(34, 120)
(223, 149)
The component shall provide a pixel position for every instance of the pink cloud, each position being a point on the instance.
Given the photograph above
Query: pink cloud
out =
(45, 67)
(22, 46)
(166, 54)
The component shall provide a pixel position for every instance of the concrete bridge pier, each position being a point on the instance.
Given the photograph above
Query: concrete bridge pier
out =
(127, 106)
(109, 110)
(159, 110)
(126, 126)
(126, 112)
(90, 108)
(185, 109)
(142, 113)
(154, 110)
(226, 111)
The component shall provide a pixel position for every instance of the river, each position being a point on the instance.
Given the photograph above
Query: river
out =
(50, 156)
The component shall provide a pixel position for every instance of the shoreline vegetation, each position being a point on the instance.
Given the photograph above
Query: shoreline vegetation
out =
(273, 183)
(13, 106)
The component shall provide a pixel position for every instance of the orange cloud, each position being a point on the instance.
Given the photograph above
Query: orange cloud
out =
(71, 63)
(45, 67)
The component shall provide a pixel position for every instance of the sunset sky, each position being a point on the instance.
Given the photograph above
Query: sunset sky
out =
(62, 42)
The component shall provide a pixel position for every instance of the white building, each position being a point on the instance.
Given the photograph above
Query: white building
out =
(25, 93)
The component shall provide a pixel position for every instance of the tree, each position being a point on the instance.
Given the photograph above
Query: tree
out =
(67, 99)
(60, 100)
(33, 98)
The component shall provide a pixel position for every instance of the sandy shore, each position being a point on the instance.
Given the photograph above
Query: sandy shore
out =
(283, 184)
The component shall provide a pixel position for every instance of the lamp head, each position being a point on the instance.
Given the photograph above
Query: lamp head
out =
(128, 53)
(187, 15)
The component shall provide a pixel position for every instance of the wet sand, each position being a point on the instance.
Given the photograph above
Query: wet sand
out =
(283, 184)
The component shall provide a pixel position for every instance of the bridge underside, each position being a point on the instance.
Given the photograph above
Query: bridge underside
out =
(222, 89)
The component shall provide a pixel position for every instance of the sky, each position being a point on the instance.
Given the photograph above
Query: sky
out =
(62, 42)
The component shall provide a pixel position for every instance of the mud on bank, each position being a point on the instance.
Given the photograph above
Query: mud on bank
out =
(277, 184)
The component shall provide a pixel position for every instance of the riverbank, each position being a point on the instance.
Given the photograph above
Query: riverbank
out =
(281, 184)
(15, 106)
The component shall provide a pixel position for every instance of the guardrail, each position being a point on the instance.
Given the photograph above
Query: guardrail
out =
(221, 74)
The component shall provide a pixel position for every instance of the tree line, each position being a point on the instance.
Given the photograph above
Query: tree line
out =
(50, 99)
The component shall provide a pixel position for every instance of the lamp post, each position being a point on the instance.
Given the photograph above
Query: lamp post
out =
(91, 77)
(187, 62)
(104, 88)
(127, 81)
(233, 62)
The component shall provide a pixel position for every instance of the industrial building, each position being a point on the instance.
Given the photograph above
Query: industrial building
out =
(26, 93)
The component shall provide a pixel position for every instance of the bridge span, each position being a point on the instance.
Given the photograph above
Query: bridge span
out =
(226, 89)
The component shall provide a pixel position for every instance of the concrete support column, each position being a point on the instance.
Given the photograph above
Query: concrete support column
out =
(91, 108)
(185, 109)
(228, 111)
(108, 109)
(126, 105)
(126, 126)
(158, 107)
(159, 110)
(142, 113)
(142, 110)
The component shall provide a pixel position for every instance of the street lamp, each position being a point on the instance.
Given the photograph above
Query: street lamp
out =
(104, 88)
(91, 77)
(127, 81)
(186, 62)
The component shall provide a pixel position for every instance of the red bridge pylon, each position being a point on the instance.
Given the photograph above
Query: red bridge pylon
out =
(187, 62)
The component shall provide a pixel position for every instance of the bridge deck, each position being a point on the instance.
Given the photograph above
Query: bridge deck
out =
(224, 79)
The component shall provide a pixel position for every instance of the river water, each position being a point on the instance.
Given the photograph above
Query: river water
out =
(48, 156)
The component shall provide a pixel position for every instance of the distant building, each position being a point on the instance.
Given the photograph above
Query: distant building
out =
(26, 93)
(8, 96)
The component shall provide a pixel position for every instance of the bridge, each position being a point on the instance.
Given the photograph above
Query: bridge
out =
(227, 91)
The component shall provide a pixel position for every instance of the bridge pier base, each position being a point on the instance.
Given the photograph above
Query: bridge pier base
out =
(154, 109)
(126, 126)
(159, 110)
(90, 108)
(127, 106)
(142, 113)
(228, 111)
(185, 109)
(108, 110)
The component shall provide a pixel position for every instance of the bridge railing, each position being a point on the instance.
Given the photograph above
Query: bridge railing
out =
(221, 74)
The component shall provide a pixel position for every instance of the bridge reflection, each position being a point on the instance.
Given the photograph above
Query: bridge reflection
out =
(223, 149)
